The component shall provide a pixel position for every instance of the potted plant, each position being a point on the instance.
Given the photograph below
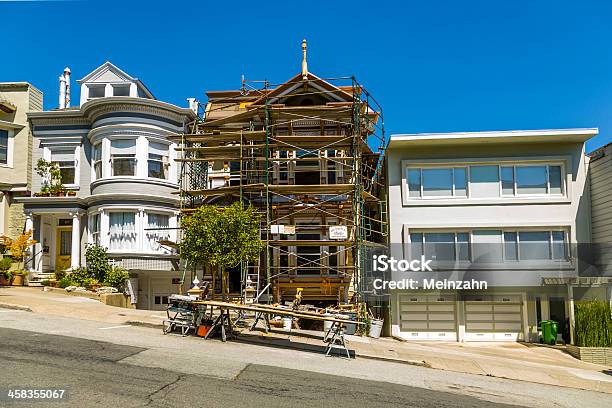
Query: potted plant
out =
(19, 277)
(71, 193)
(52, 178)
(5, 274)
(5, 278)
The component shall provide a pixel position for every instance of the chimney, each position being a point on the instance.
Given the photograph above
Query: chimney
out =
(67, 78)
(193, 104)
(62, 92)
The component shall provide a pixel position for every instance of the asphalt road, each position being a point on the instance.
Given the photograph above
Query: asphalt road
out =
(92, 374)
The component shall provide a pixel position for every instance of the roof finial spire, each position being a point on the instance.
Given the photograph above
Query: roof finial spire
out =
(304, 63)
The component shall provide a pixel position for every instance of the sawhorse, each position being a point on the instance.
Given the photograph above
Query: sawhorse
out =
(335, 337)
(223, 322)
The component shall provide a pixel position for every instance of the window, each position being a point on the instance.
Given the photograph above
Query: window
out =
(4, 138)
(535, 245)
(437, 182)
(96, 91)
(532, 180)
(440, 246)
(121, 90)
(64, 158)
(158, 160)
(157, 230)
(95, 228)
(484, 181)
(96, 158)
(122, 230)
(123, 157)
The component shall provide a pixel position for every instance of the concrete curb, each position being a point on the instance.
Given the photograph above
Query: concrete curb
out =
(15, 307)
(394, 360)
(144, 324)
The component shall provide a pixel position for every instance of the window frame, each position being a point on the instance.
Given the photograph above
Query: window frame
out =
(124, 156)
(453, 187)
(547, 166)
(566, 245)
(9, 145)
(456, 242)
(75, 162)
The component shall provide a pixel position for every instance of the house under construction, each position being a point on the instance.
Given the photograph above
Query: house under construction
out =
(308, 155)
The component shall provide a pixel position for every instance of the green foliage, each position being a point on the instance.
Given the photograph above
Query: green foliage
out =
(64, 282)
(45, 282)
(81, 277)
(51, 175)
(8, 275)
(5, 263)
(20, 272)
(593, 323)
(116, 277)
(222, 237)
(59, 274)
(96, 258)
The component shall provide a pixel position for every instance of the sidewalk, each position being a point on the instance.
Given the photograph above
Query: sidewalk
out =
(525, 362)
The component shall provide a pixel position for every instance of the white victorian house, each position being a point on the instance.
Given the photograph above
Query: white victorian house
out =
(118, 168)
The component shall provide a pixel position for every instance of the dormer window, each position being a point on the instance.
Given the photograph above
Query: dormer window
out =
(96, 91)
(121, 90)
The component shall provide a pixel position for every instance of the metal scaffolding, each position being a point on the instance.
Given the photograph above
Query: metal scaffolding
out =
(308, 154)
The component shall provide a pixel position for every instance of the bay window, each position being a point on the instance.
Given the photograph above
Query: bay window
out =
(122, 230)
(157, 230)
(158, 160)
(123, 157)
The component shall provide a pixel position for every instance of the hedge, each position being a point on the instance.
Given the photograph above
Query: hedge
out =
(593, 323)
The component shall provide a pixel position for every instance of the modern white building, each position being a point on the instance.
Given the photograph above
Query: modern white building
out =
(510, 208)
(118, 168)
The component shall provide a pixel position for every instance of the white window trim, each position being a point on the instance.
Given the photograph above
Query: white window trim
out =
(563, 161)
(453, 188)
(47, 155)
(10, 148)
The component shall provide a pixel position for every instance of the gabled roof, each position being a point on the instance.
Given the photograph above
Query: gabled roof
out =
(109, 73)
(323, 87)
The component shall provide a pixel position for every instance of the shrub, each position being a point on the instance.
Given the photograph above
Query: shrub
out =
(5, 263)
(59, 275)
(96, 259)
(45, 282)
(593, 323)
(64, 282)
(81, 277)
(116, 277)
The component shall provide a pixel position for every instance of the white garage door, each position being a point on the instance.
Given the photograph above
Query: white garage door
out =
(493, 318)
(428, 317)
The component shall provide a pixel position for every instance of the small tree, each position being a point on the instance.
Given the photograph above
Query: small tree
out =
(96, 258)
(222, 237)
(19, 247)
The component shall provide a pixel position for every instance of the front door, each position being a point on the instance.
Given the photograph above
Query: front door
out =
(63, 248)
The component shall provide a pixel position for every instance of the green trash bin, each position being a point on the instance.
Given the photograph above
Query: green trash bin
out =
(549, 331)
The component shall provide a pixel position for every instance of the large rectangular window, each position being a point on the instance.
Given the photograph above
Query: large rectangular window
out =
(484, 181)
(122, 230)
(123, 157)
(437, 182)
(4, 138)
(532, 180)
(535, 245)
(64, 158)
(440, 246)
(158, 160)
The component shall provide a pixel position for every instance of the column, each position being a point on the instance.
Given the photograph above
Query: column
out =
(75, 253)
(572, 322)
(29, 226)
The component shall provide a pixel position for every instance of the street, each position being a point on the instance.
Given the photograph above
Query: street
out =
(105, 365)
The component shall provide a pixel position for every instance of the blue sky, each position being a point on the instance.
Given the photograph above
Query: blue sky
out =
(435, 66)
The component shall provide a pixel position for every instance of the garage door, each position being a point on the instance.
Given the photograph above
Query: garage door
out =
(161, 289)
(428, 317)
(493, 318)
